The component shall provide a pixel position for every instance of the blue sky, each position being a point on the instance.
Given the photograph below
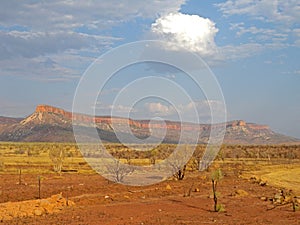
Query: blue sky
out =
(251, 46)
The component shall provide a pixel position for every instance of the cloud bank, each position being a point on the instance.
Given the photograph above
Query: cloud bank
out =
(279, 11)
(69, 32)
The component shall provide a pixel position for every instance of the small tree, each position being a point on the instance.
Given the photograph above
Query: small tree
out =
(57, 156)
(178, 163)
(153, 156)
(179, 175)
(118, 170)
(216, 176)
(128, 157)
(285, 198)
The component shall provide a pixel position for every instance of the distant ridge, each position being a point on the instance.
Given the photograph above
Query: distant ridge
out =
(52, 124)
(9, 120)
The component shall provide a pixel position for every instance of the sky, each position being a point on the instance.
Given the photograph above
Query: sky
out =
(251, 47)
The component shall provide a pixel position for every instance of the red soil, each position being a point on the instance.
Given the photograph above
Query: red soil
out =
(98, 201)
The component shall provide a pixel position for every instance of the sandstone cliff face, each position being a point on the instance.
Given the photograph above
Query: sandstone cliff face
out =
(144, 124)
(242, 123)
(258, 127)
(116, 120)
(51, 109)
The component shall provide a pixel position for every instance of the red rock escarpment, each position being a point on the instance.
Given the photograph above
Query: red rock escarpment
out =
(118, 120)
(140, 123)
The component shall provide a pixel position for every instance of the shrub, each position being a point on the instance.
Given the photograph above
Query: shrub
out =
(216, 176)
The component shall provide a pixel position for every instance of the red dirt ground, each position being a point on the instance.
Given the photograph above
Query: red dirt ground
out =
(153, 204)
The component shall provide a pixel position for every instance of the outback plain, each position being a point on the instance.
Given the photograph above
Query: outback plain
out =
(158, 112)
(51, 183)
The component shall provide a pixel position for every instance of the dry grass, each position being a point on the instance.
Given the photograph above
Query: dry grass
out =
(33, 158)
(287, 176)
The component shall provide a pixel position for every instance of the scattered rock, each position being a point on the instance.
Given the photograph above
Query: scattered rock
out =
(241, 193)
(264, 198)
(257, 180)
(288, 199)
(203, 177)
(49, 208)
(263, 183)
(168, 187)
(38, 212)
(44, 202)
(70, 203)
(284, 196)
(278, 198)
(196, 190)
(55, 203)
(253, 178)
(6, 217)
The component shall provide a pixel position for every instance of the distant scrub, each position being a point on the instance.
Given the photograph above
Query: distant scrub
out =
(2, 166)
(134, 153)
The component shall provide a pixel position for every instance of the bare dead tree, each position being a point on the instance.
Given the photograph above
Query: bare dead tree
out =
(118, 170)
(178, 163)
(196, 160)
(57, 157)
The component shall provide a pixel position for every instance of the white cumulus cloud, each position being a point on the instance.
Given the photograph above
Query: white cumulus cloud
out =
(160, 109)
(192, 32)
